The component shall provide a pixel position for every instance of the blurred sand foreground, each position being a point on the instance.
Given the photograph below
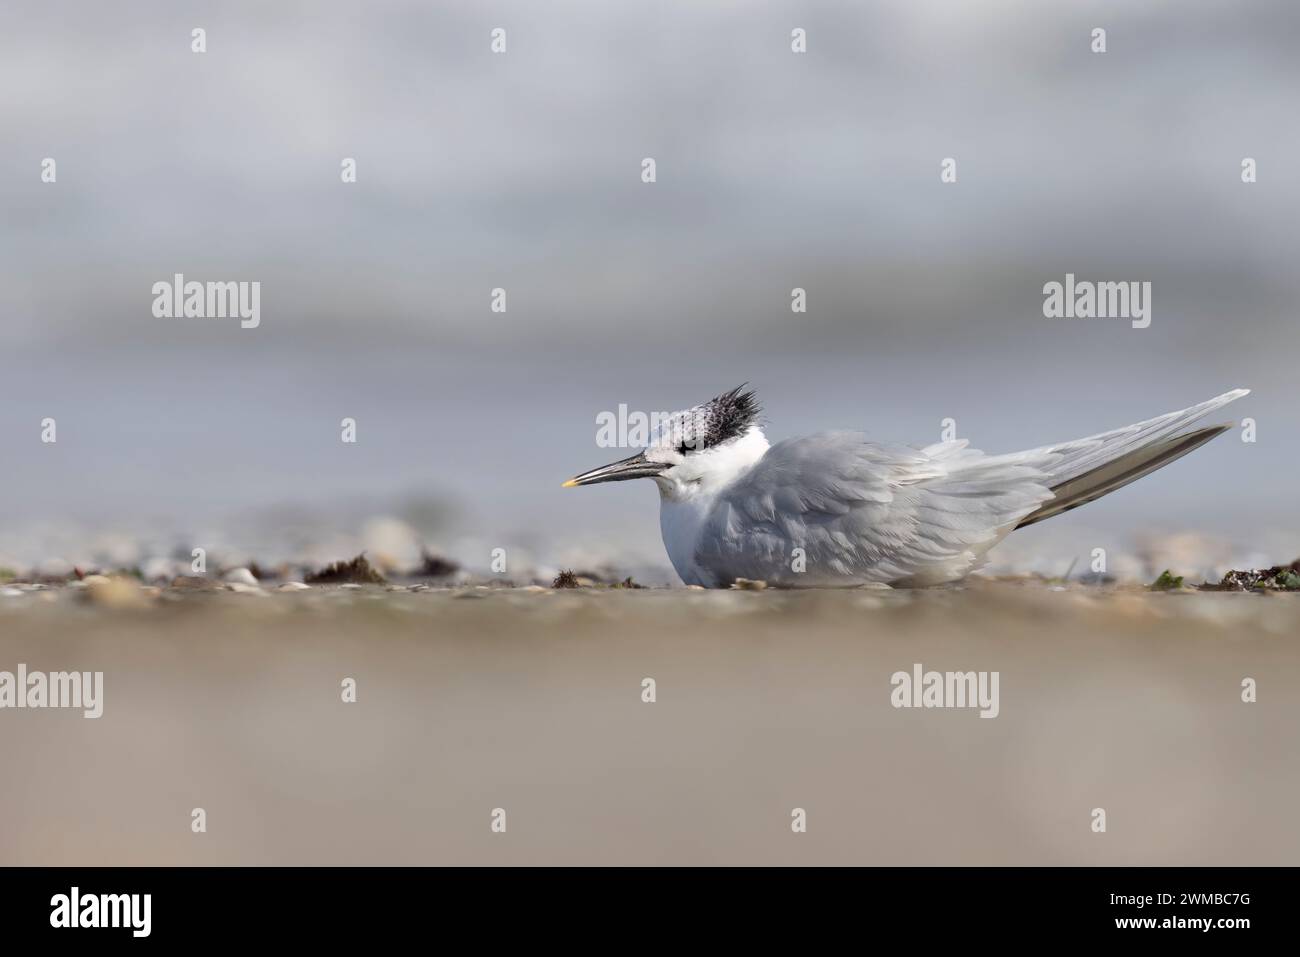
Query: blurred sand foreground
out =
(531, 701)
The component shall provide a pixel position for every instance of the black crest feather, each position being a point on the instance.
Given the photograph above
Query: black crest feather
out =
(735, 412)
(722, 419)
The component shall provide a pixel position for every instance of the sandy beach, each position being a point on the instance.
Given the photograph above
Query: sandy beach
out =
(472, 699)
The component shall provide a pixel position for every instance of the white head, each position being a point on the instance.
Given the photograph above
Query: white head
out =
(698, 450)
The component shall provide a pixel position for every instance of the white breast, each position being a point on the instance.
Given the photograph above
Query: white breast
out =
(688, 492)
(680, 523)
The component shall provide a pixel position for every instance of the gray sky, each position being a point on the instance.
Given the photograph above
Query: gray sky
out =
(521, 170)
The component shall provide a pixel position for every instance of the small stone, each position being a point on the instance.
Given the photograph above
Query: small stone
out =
(114, 592)
(8, 592)
(193, 583)
(242, 589)
(294, 586)
(240, 576)
(748, 584)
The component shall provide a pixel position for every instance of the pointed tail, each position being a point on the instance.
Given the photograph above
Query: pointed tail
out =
(1086, 469)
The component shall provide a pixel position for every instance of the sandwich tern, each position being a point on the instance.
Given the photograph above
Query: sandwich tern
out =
(734, 506)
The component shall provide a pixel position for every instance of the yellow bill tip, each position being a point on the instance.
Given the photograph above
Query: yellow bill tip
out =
(569, 484)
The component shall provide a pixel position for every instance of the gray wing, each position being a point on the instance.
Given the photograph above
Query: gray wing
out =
(863, 511)
(1081, 456)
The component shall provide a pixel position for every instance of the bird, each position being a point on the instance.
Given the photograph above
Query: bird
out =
(835, 509)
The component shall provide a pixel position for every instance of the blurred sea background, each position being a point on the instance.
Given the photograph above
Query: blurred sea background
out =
(522, 171)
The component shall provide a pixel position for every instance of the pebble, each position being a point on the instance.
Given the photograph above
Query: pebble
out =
(294, 586)
(243, 589)
(748, 584)
(194, 583)
(114, 592)
(240, 576)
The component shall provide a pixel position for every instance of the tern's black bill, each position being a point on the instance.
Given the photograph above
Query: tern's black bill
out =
(638, 466)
